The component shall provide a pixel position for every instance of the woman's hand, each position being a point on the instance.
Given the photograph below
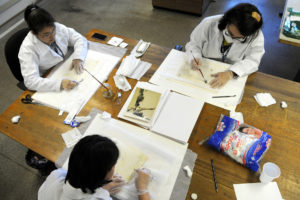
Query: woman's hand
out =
(77, 64)
(68, 84)
(221, 78)
(143, 179)
(196, 63)
(114, 186)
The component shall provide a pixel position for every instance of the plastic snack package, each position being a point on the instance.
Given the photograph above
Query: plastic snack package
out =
(243, 143)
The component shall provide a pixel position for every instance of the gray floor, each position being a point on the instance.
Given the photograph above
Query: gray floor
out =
(135, 19)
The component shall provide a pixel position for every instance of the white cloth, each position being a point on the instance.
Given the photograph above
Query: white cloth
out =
(264, 99)
(206, 40)
(55, 188)
(37, 57)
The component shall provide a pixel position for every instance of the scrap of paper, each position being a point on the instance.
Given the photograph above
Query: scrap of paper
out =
(71, 137)
(256, 191)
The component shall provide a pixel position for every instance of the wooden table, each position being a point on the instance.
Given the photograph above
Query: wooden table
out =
(40, 129)
(295, 4)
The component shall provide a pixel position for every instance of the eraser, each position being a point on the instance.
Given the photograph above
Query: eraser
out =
(188, 171)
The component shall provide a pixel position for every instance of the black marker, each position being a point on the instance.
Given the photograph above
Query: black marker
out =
(214, 174)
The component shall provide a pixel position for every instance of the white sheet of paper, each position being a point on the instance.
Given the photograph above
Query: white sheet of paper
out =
(133, 67)
(164, 155)
(115, 41)
(71, 137)
(141, 69)
(257, 191)
(99, 64)
(123, 45)
(173, 74)
(178, 117)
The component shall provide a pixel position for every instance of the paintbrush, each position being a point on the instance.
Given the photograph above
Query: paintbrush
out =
(95, 78)
(198, 68)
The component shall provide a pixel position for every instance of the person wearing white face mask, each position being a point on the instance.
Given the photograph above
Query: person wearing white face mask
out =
(235, 38)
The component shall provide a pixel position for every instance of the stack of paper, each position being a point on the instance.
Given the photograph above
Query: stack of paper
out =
(133, 68)
(150, 106)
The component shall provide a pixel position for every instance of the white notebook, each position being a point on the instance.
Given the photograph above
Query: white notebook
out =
(164, 112)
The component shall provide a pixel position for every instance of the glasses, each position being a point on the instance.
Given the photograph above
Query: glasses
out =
(240, 39)
(48, 34)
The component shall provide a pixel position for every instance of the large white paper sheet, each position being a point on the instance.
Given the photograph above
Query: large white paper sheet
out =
(176, 74)
(98, 63)
(257, 191)
(164, 155)
(178, 117)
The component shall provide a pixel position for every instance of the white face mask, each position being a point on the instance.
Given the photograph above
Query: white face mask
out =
(227, 36)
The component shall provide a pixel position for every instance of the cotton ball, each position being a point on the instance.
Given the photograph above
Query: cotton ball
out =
(194, 196)
(283, 104)
(15, 119)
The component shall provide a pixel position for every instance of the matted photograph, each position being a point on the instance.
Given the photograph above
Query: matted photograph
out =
(143, 104)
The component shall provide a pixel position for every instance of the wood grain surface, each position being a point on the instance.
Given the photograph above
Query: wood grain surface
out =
(40, 129)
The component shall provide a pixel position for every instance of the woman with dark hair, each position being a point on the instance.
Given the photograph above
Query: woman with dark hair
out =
(45, 46)
(90, 174)
(235, 38)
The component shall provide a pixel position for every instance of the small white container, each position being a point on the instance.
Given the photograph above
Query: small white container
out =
(270, 171)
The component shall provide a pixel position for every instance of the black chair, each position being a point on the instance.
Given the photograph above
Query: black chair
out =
(11, 50)
(297, 77)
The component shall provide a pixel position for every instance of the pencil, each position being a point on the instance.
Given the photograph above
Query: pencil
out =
(214, 174)
(223, 96)
(95, 79)
(198, 68)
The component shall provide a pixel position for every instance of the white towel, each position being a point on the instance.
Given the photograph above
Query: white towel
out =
(264, 99)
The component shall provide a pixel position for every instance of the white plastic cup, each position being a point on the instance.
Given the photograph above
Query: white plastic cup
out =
(270, 172)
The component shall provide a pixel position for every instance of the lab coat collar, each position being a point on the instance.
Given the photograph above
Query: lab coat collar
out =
(42, 47)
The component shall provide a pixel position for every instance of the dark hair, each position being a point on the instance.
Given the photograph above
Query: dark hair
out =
(37, 18)
(242, 17)
(242, 128)
(90, 161)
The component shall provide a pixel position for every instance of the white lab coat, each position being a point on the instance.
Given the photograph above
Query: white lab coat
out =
(37, 57)
(206, 40)
(55, 188)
